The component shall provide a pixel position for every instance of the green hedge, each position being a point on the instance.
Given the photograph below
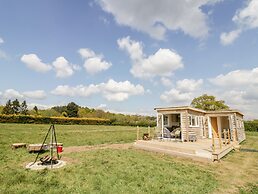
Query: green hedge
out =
(251, 125)
(52, 120)
(133, 123)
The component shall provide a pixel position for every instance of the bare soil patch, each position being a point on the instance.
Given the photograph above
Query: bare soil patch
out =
(73, 149)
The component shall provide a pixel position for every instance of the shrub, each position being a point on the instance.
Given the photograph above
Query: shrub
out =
(54, 120)
(251, 125)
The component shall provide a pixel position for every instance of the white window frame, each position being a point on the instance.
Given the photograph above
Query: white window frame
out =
(196, 120)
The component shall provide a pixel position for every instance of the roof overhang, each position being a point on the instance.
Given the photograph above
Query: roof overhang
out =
(180, 108)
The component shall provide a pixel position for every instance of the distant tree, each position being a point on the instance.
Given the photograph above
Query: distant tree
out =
(1, 108)
(206, 102)
(8, 108)
(59, 109)
(35, 108)
(24, 108)
(64, 114)
(16, 106)
(72, 109)
(49, 113)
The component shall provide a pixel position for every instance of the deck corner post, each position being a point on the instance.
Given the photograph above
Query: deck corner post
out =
(149, 131)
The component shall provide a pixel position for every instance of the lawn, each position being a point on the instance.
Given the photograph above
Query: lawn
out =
(120, 171)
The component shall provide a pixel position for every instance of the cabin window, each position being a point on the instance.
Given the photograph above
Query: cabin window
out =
(194, 121)
(165, 120)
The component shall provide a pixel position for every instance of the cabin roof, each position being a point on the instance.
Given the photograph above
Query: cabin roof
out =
(196, 109)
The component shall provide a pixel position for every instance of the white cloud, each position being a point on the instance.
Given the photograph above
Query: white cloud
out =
(63, 90)
(63, 68)
(93, 63)
(34, 62)
(176, 97)
(157, 17)
(80, 90)
(102, 107)
(133, 48)
(12, 94)
(229, 38)
(240, 100)
(1, 40)
(166, 82)
(120, 91)
(86, 53)
(189, 85)
(36, 94)
(239, 89)
(183, 93)
(246, 18)
(112, 90)
(3, 55)
(237, 79)
(40, 106)
(120, 96)
(162, 63)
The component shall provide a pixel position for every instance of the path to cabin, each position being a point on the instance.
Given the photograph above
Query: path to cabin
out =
(73, 149)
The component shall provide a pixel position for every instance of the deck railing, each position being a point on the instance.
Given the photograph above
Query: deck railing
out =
(222, 141)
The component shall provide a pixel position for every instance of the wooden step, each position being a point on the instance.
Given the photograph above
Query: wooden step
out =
(220, 153)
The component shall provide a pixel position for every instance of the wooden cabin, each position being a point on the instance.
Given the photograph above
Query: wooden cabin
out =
(197, 124)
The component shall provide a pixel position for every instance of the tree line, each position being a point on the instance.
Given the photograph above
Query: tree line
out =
(14, 107)
(72, 110)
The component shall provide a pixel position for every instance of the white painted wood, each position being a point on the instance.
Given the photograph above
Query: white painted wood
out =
(162, 126)
(219, 125)
(181, 121)
(209, 127)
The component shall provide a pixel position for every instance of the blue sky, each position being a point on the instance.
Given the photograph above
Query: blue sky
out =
(129, 56)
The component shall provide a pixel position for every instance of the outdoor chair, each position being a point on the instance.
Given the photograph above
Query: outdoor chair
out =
(166, 133)
(176, 133)
(192, 136)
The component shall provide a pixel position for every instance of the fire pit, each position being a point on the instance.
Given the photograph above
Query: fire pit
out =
(49, 161)
(40, 166)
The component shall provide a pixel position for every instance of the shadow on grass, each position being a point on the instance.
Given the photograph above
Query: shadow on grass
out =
(248, 150)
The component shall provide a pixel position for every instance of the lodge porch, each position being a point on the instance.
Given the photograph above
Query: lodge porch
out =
(202, 150)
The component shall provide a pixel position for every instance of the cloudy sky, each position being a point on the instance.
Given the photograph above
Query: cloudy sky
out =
(129, 56)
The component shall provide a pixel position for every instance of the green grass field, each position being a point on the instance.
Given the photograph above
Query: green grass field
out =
(117, 170)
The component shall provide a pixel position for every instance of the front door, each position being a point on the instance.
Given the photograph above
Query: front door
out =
(214, 124)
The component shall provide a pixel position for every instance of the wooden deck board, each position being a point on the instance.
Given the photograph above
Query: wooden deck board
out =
(196, 150)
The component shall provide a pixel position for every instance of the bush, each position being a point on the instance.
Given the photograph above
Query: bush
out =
(54, 120)
(123, 121)
(251, 125)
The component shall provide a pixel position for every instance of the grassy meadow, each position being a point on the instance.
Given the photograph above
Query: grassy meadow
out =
(120, 170)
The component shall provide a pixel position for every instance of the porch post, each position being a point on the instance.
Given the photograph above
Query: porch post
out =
(187, 126)
(182, 139)
(235, 128)
(162, 126)
(157, 120)
(209, 127)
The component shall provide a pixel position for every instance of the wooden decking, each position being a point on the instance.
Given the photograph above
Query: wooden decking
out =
(199, 150)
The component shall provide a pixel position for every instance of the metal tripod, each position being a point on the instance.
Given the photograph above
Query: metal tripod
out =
(52, 145)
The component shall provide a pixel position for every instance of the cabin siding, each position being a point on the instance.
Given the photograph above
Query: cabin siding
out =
(184, 125)
(202, 131)
(240, 128)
